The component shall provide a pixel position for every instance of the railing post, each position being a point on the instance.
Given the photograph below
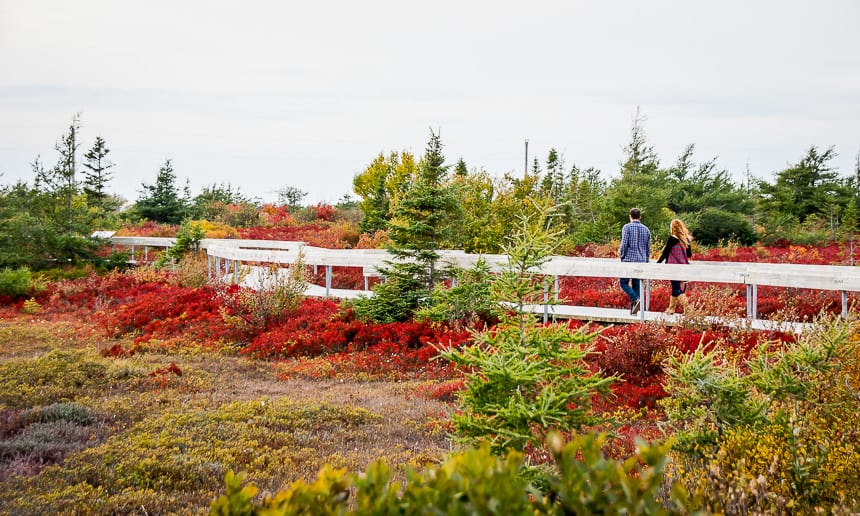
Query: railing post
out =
(752, 302)
(546, 303)
(132, 253)
(844, 304)
(146, 253)
(208, 266)
(643, 298)
(235, 271)
(755, 301)
(646, 305)
(327, 280)
(555, 287)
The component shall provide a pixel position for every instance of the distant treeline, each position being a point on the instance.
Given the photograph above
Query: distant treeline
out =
(51, 217)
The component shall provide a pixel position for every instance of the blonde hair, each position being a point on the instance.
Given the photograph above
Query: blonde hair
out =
(679, 230)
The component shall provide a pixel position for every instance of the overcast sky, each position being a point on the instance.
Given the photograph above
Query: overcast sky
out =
(268, 94)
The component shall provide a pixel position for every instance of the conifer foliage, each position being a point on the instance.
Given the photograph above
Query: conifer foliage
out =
(525, 378)
(418, 227)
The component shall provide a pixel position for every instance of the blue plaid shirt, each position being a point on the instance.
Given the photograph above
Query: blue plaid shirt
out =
(635, 242)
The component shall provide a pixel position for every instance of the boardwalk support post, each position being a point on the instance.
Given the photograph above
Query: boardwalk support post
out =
(327, 280)
(545, 303)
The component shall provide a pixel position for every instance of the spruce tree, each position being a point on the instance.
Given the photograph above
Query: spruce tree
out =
(161, 202)
(418, 227)
(97, 173)
(525, 378)
(58, 186)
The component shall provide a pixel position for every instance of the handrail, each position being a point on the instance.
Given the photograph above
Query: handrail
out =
(819, 277)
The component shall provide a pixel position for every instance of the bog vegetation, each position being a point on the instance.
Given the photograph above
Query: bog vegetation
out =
(154, 389)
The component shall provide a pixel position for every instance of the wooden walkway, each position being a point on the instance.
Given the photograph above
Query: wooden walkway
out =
(226, 256)
(603, 315)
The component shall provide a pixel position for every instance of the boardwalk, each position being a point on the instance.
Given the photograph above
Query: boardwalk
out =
(227, 256)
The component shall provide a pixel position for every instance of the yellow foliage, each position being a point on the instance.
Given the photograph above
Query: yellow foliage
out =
(215, 229)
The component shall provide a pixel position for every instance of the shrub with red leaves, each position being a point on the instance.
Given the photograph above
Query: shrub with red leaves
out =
(321, 327)
(324, 211)
(164, 311)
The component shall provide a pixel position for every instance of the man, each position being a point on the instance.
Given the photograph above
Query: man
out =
(635, 247)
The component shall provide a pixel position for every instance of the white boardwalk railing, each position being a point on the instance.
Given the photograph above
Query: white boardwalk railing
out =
(226, 255)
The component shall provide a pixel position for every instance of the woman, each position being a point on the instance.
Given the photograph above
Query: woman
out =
(677, 250)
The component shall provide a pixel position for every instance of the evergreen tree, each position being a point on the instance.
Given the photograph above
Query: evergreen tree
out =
(461, 170)
(584, 206)
(552, 184)
(524, 378)
(375, 199)
(418, 227)
(58, 185)
(695, 187)
(804, 189)
(536, 170)
(97, 173)
(161, 202)
(642, 183)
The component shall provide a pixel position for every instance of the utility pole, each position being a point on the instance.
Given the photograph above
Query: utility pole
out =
(526, 167)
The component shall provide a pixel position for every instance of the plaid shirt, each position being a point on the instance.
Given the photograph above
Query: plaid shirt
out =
(678, 254)
(635, 242)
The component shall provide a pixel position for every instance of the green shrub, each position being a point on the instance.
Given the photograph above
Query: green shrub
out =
(777, 433)
(467, 300)
(278, 294)
(54, 377)
(66, 411)
(17, 283)
(714, 226)
(476, 481)
(187, 240)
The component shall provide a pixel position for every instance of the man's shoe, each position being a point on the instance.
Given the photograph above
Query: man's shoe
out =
(635, 308)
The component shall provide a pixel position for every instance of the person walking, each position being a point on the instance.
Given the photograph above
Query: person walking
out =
(677, 250)
(635, 247)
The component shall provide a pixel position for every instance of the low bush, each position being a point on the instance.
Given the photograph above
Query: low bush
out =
(769, 434)
(475, 481)
(54, 377)
(18, 283)
(174, 463)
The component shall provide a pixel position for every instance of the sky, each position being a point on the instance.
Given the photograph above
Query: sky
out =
(262, 95)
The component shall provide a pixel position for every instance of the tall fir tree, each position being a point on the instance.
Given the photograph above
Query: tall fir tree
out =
(58, 186)
(97, 173)
(417, 229)
(642, 183)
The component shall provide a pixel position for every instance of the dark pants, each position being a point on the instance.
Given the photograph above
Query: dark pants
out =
(676, 288)
(631, 291)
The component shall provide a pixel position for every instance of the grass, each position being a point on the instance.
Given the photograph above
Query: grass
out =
(156, 432)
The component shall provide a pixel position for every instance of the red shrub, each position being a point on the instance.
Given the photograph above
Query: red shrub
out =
(324, 211)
